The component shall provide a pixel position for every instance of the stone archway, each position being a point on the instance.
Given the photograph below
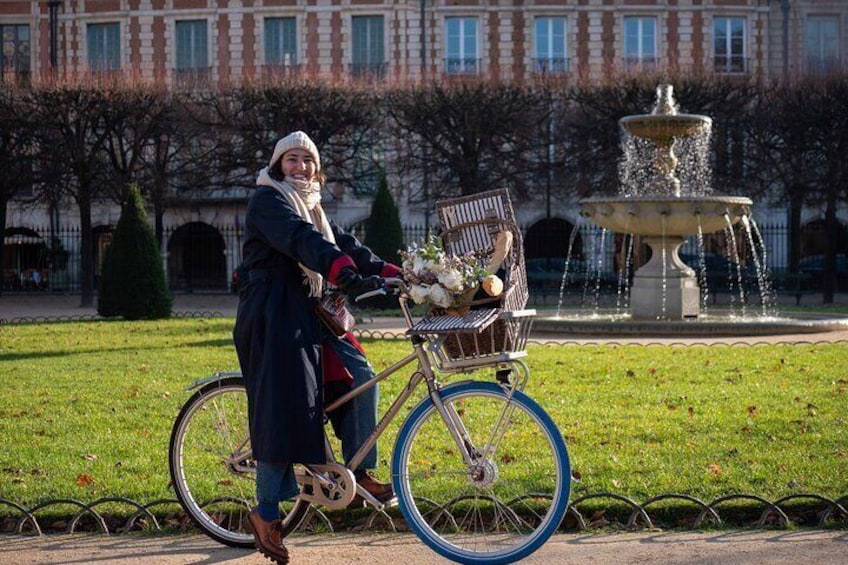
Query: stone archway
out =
(197, 258)
(549, 238)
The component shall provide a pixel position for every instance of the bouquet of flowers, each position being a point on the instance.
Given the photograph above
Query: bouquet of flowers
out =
(443, 280)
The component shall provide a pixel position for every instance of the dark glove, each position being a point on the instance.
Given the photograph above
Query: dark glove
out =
(353, 284)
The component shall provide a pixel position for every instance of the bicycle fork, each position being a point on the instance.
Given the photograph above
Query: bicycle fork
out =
(471, 454)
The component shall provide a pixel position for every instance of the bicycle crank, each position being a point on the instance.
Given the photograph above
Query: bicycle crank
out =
(331, 485)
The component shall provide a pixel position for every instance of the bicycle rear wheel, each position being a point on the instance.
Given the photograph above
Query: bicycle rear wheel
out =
(212, 467)
(505, 504)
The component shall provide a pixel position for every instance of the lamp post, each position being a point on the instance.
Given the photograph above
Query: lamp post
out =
(53, 12)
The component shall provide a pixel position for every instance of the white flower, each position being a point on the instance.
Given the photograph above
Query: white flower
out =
(436, 267)
(419, 265)
(440, 297)
(438, 278)
(419, 293)
(452, 280)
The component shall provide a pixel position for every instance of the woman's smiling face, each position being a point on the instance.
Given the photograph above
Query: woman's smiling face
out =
(299, 164)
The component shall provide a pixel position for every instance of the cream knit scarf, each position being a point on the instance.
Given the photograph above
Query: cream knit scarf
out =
(305, 198)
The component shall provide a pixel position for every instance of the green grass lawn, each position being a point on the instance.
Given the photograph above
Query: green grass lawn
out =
(86, 411)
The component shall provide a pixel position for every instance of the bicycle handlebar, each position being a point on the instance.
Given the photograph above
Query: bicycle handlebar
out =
(391, 285)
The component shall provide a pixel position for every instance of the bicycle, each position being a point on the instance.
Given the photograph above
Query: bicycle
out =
(460, 479)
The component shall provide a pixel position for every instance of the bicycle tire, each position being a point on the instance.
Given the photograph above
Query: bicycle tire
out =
(503, 509)
(215, 489)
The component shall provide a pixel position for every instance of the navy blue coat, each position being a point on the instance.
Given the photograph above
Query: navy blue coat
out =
(276, 331)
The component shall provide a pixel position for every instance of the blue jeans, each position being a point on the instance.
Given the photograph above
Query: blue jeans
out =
(360, 416)
(275, 483)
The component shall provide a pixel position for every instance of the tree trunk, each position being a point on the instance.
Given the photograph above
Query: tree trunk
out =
(795, 208)
(86, 250)
(4, 201)
(831, 229)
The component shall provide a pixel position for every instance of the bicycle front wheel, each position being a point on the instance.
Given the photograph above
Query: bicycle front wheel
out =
(212, 467)
(505, 502)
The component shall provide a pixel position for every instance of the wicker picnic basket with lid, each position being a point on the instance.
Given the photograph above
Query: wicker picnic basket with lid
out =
(492, 326)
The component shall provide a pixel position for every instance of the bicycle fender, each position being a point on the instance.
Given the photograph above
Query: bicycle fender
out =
(220, 375)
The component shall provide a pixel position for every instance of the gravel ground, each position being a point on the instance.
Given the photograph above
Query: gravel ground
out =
(775, 547)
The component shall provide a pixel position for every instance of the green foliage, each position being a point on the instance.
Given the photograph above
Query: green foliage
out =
(383, 231)
(133, 283)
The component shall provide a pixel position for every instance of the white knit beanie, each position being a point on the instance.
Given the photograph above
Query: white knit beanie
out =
(296, 140)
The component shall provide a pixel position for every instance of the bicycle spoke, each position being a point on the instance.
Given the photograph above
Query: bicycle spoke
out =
(499, 506)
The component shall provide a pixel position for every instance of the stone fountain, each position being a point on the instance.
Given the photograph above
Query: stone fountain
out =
(664, 200)
(665, 288)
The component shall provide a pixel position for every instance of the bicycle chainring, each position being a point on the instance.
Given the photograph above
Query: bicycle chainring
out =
(332, 485)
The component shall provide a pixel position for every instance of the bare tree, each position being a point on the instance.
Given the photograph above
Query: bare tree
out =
(178, 160)
(469, 137)
(132, 119)
(248, 120)
(16, 152)
(592, 116)
(71, 138)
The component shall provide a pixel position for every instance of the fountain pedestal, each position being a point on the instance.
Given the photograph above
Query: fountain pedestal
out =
(665, 288)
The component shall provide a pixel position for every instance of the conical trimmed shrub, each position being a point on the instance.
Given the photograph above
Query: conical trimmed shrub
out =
(132, 283)
(384, 236)
(383, 231)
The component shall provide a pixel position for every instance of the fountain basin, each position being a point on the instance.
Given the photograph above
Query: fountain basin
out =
(665, 216)
(663, 128)
(713, 325)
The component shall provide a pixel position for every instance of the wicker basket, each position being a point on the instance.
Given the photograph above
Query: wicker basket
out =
(479, 337)
(494, 328)
(505, 335)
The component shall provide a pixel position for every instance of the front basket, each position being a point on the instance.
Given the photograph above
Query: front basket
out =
(480, 337)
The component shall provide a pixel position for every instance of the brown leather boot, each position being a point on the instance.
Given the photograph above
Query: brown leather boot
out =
(268, 538)
(381, 491)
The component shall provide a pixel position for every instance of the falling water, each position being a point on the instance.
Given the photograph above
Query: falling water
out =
(664, 272)
(564, 281)
(623, 287)
(598, 261)
(637, 172)
(734, 250)
(592, 274)
(702, 268)
(763, 281)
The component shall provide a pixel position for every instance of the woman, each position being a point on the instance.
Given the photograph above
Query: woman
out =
(291, 252)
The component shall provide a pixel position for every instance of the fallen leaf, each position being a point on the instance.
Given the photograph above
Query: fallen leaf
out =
(714, 468)
(85, 480)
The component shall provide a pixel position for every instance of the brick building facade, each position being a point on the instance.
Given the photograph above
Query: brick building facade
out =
(506, 40)
(518, 41)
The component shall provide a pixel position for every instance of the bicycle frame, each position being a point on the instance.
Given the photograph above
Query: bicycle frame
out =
(425, 372)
